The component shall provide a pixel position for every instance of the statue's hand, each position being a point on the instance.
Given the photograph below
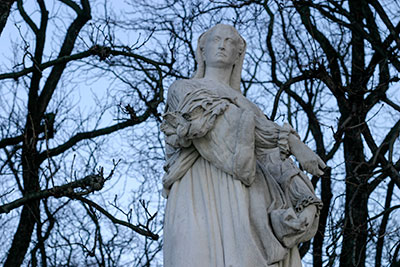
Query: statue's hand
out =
(310, 161)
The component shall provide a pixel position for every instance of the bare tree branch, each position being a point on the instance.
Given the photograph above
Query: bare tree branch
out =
(88, 185)
(144, 232)
(92, 134)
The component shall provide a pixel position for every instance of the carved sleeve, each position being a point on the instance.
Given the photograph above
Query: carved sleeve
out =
(221, 132)
(191, 113)
(270, 135)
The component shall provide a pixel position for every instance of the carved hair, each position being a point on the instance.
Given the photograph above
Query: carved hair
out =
(236, 74)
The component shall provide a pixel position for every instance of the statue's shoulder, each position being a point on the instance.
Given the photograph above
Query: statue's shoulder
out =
(183, 86)
(184, 83)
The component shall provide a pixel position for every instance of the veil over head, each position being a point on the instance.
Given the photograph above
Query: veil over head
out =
(236, 74)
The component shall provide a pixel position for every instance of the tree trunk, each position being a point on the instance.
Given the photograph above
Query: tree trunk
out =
(326, 196)
(356, 205)
(357, 172)
(22, 237)
(30, 212)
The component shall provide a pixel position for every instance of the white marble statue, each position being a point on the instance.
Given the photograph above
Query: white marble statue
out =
(235, 198)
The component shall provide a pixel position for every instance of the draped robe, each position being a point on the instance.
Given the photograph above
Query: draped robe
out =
(233, 191)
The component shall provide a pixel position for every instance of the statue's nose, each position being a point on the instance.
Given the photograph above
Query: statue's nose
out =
(221, 45)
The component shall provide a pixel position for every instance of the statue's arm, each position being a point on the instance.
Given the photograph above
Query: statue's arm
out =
(190, 113)
(230, 144)
(289, 143)
(309, 160)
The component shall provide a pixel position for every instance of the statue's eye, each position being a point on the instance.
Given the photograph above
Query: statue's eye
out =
(217, 38)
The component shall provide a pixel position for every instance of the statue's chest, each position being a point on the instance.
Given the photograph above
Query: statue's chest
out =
(225, 91)
(239, 99)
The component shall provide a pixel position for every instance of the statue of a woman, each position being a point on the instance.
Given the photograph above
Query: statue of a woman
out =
(235, 198)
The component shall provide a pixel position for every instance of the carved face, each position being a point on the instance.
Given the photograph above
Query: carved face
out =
(221, 47)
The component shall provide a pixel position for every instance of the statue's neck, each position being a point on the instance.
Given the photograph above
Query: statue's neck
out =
(222, 75)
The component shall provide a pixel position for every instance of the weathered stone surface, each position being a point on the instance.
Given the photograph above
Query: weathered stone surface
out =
(235, 198)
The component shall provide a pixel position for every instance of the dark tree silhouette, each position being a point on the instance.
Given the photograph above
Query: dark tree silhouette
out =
(37, 141)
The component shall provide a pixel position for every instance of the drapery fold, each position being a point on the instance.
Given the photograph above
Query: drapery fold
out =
(206, 125)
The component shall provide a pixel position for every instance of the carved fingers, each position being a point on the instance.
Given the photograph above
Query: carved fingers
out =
(313, 164)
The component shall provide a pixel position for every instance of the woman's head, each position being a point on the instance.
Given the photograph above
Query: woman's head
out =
(221, 44)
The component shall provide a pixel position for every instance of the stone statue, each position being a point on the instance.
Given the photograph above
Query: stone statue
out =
(235, 198)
